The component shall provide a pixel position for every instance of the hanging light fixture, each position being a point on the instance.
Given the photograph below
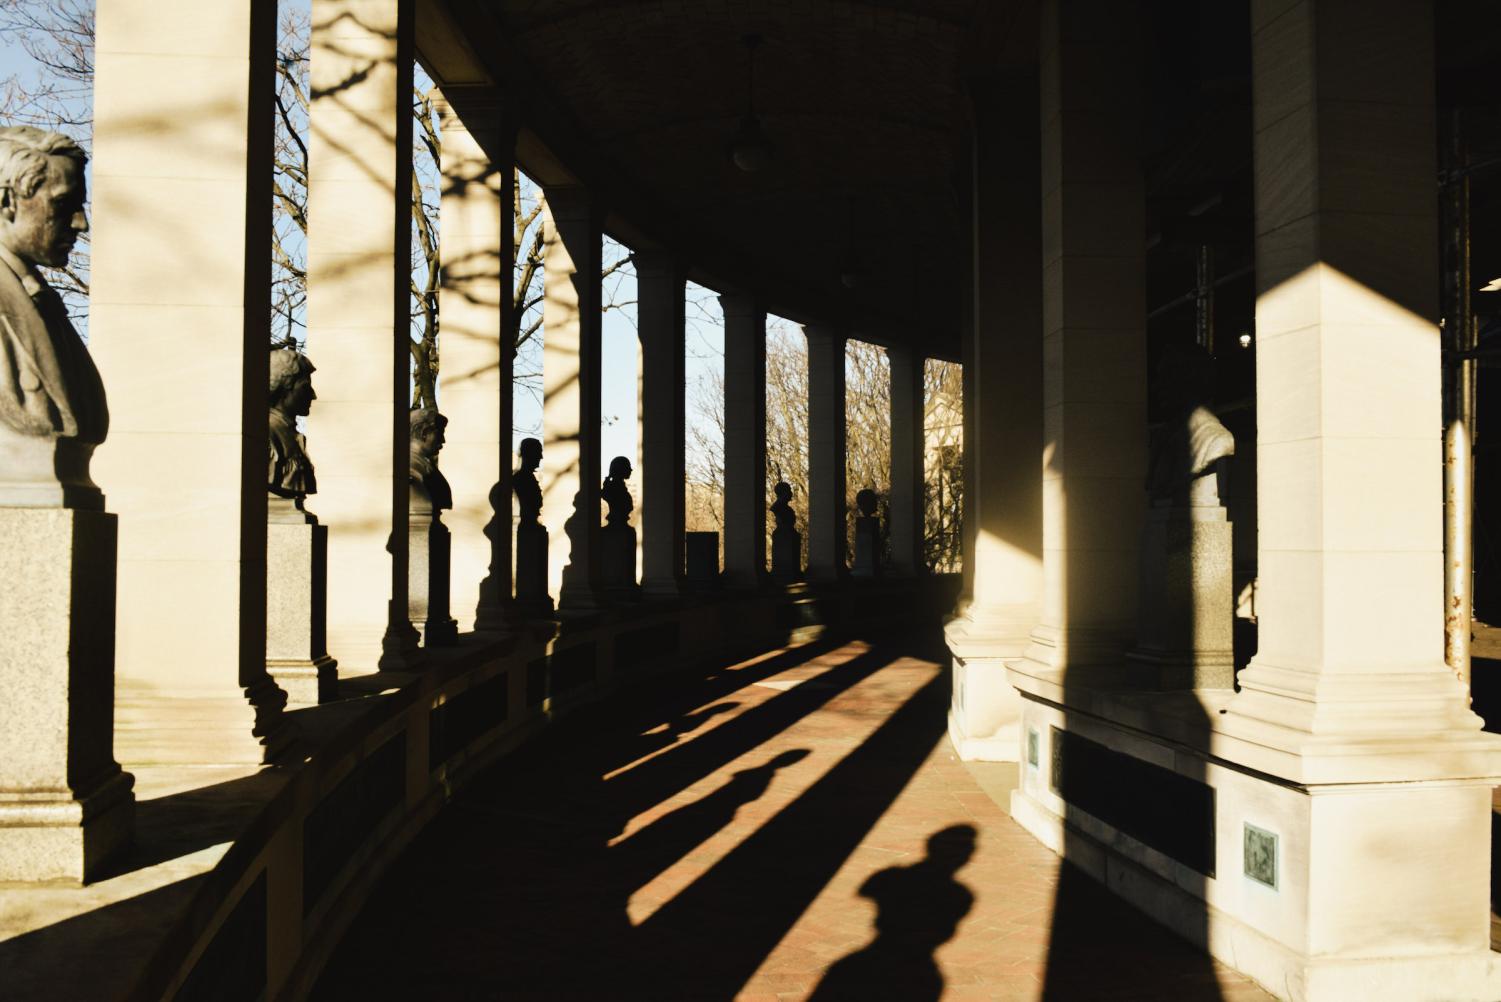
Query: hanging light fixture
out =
(750, 150)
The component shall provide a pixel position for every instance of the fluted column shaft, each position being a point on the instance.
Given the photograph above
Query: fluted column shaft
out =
(744, 440)
(827, 531)
(660, 289)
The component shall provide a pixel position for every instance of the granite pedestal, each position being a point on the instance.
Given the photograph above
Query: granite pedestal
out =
(297, 604)
(65, 805)
(532, 599)
(1185, 632)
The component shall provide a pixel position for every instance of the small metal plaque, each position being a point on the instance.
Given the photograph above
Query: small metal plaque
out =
(1261, 855)
(1032, 753)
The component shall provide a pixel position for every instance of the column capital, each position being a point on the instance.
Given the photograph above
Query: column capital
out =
(740, 304)
(659, 262)
(824, 333)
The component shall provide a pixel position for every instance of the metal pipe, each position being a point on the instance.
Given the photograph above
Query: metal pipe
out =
(1461, 332)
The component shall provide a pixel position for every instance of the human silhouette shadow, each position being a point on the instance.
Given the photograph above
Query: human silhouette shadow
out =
(656, 847)
(920, 907)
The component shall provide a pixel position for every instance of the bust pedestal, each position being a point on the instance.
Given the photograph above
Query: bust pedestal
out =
(297, 604)
(867, 547)
(701, 558)
(1186, 619)
(786, 554)
(617, 558)
(428, 545)
(65, 805)
(532, 599)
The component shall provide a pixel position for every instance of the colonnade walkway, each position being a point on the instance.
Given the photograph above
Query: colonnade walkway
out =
(791, 826)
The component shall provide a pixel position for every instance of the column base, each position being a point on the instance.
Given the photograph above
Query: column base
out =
(660, 589)
(985, 713)
(1297, 886)
(399, 647)
(57, 837)
(306, 683)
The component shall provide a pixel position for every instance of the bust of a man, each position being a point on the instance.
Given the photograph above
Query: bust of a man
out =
(524, 482)
(289, 472)
(429, 485)
(781, 508)
(52, 405)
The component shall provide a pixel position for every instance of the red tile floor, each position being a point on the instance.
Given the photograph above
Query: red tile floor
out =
(793, 826)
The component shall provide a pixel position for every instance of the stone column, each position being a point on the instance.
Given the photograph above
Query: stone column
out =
(1347, 382)
(1003, 419)
(1348, 701)
(1094, 338)
(660, 288)
(359, 261)
(179, 321)
(478, 348)
(744, 440)
(570, 384)
(905, 507)
(827, 530)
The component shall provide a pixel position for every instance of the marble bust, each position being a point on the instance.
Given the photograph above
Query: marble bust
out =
(524, 482)
(289, 472)
(616, 494)
(1186, 449)
(52, 405)
(428, 483)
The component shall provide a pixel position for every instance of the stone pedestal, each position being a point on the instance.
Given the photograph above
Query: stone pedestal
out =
(65, 806)
(532, 599)
(867, 547)
(428, 548)
(297, 604)
(702, 549)
(617, 557)
(1186, 612)
(786, 555)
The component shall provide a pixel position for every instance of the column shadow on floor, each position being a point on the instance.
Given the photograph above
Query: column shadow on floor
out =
(521, 888)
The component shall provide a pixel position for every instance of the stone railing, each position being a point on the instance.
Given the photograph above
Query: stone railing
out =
(264, 919)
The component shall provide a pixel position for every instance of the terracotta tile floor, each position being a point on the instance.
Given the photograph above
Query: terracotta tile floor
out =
(795, 826)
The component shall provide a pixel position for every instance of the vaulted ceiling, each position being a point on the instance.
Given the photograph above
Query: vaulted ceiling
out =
(864, 102)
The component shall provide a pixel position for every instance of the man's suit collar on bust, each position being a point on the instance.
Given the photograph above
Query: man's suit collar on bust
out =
(31, 279)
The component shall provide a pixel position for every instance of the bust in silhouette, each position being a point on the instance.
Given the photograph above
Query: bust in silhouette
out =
(52, 405)
(1186, 449)
(615, 493)
(289, 472)
(781, 508)
(786, 541)
(524, 483)
(531, 535)
(428, 484)
(867, 536)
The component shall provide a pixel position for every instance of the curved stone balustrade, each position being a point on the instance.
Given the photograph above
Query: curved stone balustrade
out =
(257, 915)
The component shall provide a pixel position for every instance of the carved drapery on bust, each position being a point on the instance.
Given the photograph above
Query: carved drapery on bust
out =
(1187, 447)
(289, 472)
(429, 485)
(52, 405)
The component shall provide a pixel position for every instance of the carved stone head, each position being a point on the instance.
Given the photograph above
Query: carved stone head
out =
(291, 388)
(783, 492)
(42, 194)
(620, 468)
(866, 502)
(428, 431)
(531, 453)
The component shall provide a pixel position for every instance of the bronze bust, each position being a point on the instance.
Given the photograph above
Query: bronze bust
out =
(428, 483)
(289, 472)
